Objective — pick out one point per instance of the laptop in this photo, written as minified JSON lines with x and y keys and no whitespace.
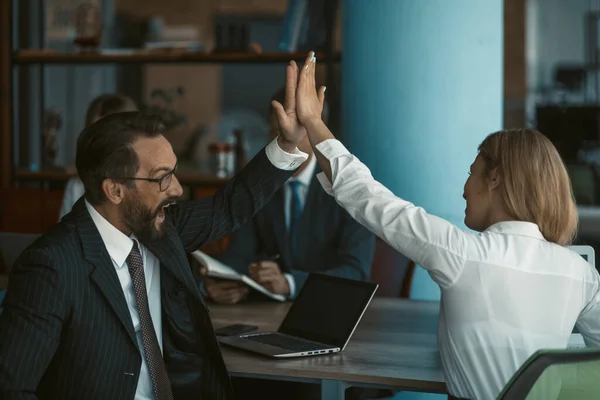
{"x":320,"y":321}
{"x":587,"y":252}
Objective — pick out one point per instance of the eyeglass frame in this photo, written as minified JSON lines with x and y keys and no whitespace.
{"x":160,"y":180}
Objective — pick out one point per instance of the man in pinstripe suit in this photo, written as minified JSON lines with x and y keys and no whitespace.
{"x":104,"y":305}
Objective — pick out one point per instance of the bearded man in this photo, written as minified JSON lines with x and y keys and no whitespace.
{"x":104,"y":305}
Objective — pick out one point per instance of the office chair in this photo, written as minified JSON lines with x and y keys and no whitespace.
{"x":12,"y":245}
{"x":392,"y":271}
{"x":556,"y":375}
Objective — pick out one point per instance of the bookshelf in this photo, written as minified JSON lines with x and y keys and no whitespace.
{"x":43,"y":57}
{"x":194,"y":179}
{"x":16,"y":57}
{"x":20,"y":183}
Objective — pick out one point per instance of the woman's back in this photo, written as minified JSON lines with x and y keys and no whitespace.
{"x":506,"y":292}
{"x":516,"y":293}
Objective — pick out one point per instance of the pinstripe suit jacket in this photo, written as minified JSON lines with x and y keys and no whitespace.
{"x":66,"y":331}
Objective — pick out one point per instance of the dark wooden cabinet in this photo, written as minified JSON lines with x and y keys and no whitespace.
{"x":29,"y":210}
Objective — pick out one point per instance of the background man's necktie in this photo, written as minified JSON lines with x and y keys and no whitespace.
{"x":154,"y":358}
{"x":295,"y":210}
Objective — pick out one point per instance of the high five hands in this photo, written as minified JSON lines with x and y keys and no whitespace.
{"x":303,"y":104}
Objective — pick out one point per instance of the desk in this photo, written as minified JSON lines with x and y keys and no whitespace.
{"x":394,"y":347}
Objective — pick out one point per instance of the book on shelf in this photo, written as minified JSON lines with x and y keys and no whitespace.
{"x":304,"y":25}
{"x":315,"y":26}
{"x":218,"y":270}
{"x":295,"y":16}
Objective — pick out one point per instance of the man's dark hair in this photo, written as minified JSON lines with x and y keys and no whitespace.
{"x":105,"y":149}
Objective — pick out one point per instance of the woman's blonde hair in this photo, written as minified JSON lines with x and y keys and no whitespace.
{"x":535,"y":184}
{"x":107,"y":104}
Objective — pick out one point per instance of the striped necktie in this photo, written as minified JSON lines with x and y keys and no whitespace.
{"x":152,"y":353}
{"x":295,"y":210}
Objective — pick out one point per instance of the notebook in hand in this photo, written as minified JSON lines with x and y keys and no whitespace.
{"x":217,"y":269}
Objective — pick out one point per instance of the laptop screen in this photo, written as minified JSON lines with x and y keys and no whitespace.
{"x":586,"y":252}
{"x":328,"y":309}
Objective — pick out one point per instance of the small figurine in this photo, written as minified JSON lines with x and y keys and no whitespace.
{"x":88,"y":26}
{"x":52,"y":124}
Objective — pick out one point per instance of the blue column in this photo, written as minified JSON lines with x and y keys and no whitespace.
{"x":421,"y":88}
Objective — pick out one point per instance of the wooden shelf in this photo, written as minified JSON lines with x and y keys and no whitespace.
{"x":191,"y":178}
{"x":51,"y":57}
{"x":44,"y":175}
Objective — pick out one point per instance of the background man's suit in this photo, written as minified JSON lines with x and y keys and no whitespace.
{"x":327,"y":240}
{"x":66,"y":332}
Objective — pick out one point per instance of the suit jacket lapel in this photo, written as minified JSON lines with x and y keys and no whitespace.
{"x":171,"y":255}
{"x":103,"y":272}
{"x":278,"y":218}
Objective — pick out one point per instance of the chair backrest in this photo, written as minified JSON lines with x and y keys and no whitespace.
{"x":392,"y":271}
{"x":556,"y":374}
{"x":12,"y":245}
{"x":587,"y":252}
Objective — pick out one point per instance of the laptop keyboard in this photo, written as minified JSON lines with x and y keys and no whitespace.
{"x":285,"y":342}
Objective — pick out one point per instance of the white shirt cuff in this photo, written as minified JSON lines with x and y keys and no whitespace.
{"x":282,"y":159}
{"x":331,"y":149}
{"x":292,"y":283}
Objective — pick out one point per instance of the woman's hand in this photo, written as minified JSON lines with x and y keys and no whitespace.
{"x":309,"y":102}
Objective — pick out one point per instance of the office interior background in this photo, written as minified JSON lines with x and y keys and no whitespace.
{"x":413,"y":88}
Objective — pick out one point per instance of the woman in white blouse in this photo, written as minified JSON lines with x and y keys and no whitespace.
{"x":101,"y":106}
{"x":508,"y":290}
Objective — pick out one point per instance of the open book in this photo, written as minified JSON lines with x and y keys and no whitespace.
{"x":217,"y":269}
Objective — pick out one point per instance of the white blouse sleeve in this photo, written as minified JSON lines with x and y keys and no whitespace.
{"x":434,"y":243}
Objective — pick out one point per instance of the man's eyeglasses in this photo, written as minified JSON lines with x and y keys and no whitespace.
{"x":163,"y":182}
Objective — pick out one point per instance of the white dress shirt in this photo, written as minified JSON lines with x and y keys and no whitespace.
{"x":119,"y":246}
{"x":505,"y":292}
{"x":304,"y":178}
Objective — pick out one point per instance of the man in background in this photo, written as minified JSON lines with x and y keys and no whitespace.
{"x":299,"y":231}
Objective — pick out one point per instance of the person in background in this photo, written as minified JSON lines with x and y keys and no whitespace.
{"x":101,"y":106}
{"x":300,"y":230}
{"x":509,"y":289}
